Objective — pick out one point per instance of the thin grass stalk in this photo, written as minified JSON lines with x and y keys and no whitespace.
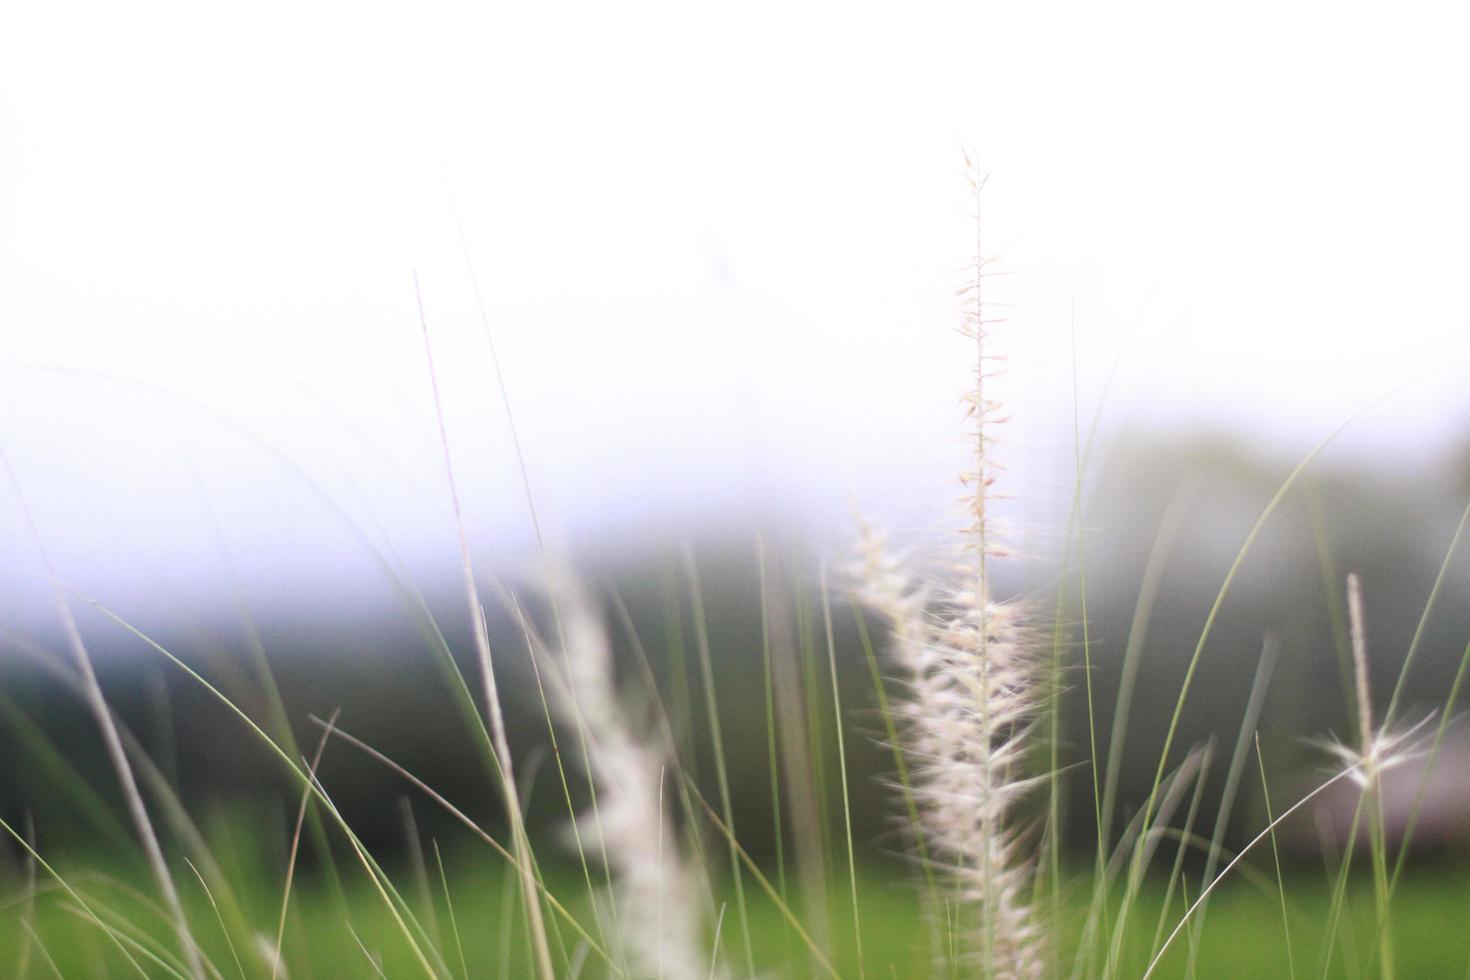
{"x":1390,"y":714}
{"x":1087,"y":671}
{"x":819,"y":957}
{"x":152,"y":780}
{"x":681,"y":720}
{"x":382,"y":883}
{"x":1191,"y":770}
{"x":464,"y":969}
{"x":1240,"y":856}
{"x":670,"y":750}
{"x":530,"y":498}
{"x":1132,"y":658}
{"x":402,"y":583}
{"x":1445,"y":717}
{"x":509,"y":906}
{"x":814,"y":711}
{"x":28,"y":909}
{"x":510,"y":419}
{"x":478,"y":831}
{"x":1185,"y":837}
{"x":1148,"y":591}
{"x":529,"y":633}
{"x":1251,"y":536}
{"x":420,"y":868}
{"x":278,"y":721}
{"x":301,"y":810}
{"x":116,"y":754}
{"x":857,"y":929}
{"x":701,"y":640}
{"x":540,"y":948}
{"x":1052,"y":839}
{"x":140,"y":942}
{"x":580,"y":728}
{"x":367,"y":955}
{"x":1050,"y":848}
{"x":1276,"y":861}
{"x":1134,"y":845}
{"x":402,"y":915}
{"x":1255,"y":702}
{"x":74,"y":896}
{"x":801,"y":756}
{"x":1373,"y":790}
{"x":1230,"y":576}
{"x":772,"y":759}
{"x":35,"y":940}
{"x":915,"y":825}
{"x":219,"y":918}
{"x":1330,"y":946}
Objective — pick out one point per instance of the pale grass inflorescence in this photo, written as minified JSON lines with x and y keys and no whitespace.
{"x":1380,"y":747}
{"x":974,"y":688}
{"x":970,"y":665}
{"x":655,"y":896}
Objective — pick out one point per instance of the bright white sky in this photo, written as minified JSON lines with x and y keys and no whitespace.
{"x":716,"y":245}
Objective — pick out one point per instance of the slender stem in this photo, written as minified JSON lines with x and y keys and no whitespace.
{"x":520,"y":842}
{"x":97,"y":704}
{"x":1179,"y":927}
{"x":857,"y":930}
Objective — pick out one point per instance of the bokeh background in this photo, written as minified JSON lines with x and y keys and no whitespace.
{"x":688,"y":277}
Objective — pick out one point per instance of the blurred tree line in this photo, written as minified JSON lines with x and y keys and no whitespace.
{"x":1184,"y":504}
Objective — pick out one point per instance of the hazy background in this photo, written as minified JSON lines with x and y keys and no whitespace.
{"x":716,"y":251}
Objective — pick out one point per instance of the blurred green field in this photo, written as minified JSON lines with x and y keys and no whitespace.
{"x":750,"y":680}
{"x":471,"y":917}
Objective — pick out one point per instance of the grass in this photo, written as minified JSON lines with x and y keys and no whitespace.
{"x":977,"y":877}
{"x":1244,"y":936}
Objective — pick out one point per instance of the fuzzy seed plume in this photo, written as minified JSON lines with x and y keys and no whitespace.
{"x":971,"y":671}
{"x":1378,"y":747}
{"x":659,"y":923}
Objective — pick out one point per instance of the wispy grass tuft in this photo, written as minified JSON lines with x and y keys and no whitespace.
{"x":661,"y":935}
{"x":971,"y":668}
